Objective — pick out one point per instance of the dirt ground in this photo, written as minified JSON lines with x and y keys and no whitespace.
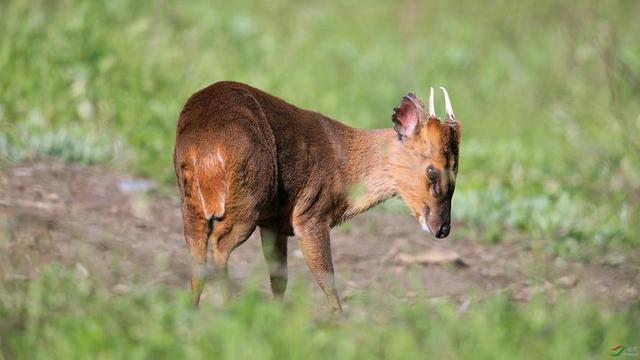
{"x":122,"y":230}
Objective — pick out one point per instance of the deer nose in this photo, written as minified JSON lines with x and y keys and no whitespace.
{"x":443,"y":231}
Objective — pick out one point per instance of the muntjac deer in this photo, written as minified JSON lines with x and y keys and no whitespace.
{"x":244,"y":158}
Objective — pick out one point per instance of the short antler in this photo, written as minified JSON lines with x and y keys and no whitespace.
{"x":432,"y":111}
{"x":447,"y":105}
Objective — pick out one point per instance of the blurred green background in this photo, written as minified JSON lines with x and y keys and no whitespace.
{"x":548,"y":92}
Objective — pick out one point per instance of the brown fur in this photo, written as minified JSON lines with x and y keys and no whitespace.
{"x":244,"y":158}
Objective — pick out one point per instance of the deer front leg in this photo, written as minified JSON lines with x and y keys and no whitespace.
{"x":316,"y":249}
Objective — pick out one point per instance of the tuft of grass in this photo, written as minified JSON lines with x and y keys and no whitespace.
{"x":62,"y":315}
{"x":31,"y":139}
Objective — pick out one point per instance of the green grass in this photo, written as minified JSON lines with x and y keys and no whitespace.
{"x":548,"y":92}
{"x":62,"y":316}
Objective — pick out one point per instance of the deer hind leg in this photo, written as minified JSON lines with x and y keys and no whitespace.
{"x":274,"y":248}
{"x":230,"y":236}
{"x":196,"y":231}
{"x":203,"y":190}
{"x":316,"y":249}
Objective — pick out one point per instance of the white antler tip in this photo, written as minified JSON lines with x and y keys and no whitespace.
{"x":447,"y":104}
{"x":432,"y":111}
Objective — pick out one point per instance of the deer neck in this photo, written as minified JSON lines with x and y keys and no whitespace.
{"x":370,"y":180}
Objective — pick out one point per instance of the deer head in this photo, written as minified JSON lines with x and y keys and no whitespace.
{"x":425,"y":165}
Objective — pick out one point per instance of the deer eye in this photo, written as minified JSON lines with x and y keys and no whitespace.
{"x":432,"y":173}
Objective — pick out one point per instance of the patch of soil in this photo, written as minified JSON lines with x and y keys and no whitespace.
{"x":118,"y":229}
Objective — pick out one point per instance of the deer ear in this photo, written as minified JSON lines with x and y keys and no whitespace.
{"x":407,"y":116}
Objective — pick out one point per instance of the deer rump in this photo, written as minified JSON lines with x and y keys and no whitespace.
{"x":229,"y":159}
{"x":225,"y":155}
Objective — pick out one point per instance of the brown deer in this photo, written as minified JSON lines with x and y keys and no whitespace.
{"x":244,"y":158}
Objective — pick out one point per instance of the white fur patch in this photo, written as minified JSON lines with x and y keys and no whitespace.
{"x":220,"y":159}
{"x":222,"y":201}
{"x":207,"y":214}
{"x":425,"y":225}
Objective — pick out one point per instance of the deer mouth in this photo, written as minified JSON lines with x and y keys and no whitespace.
{"x":424,"y":220}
